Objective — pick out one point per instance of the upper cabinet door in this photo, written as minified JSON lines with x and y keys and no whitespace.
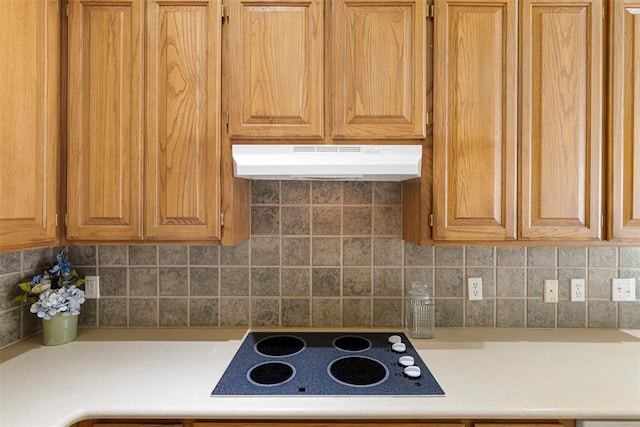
{"x":561,"y":95}
{"x":29,"y":124}
{"x":378,"y":56}
{"x":475,"y":132}
{"x":105,"y":119}
{"x":276,"y":68}
{"x":182,"y":168}
{"x":625,"y":120}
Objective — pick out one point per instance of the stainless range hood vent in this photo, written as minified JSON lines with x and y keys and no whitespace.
{"x":327,"y":162}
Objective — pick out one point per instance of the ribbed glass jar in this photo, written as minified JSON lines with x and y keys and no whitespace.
{"x":420,"y":312}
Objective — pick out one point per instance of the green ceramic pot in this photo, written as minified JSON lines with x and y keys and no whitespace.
{"x":59,"y":329}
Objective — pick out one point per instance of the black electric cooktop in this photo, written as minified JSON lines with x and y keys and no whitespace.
{"x":326,"y":363}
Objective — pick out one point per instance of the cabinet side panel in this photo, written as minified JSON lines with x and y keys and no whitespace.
{"x":562,"y":120}
{"x":625,"y":120}
{"x":474,"y":130}
{"x":182,"y":147}
{"x":104,"y":120}
{"x":29,"y":128}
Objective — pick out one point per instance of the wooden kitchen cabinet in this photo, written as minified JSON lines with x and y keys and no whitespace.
{"x":105,"y":120}
{"x":475,"y":125}
{"x":561,"y":423}
{"x":276,"y":77}
{"x":378,"y":55}
{"x":485,"y":117}
{"x":327,"y":423}
{"x":624,"y":121}
{"x":182,"y":159}
{"x":29,"y":124}
{"x":561,"y":119}
{"x":294,"y":63}
{"x":117,"y":153}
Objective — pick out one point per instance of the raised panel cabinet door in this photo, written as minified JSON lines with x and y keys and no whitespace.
{"x":474,"y":128}
{"x":105,"y":133}
{"x":29,"y":123}
{"x":378,"y":54}
{"x":276,"y":77}
{"x":561,"y":137}
{"x":625,"y":120}
{"x":182,"y":166}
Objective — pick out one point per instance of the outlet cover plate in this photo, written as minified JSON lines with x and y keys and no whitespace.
{"x":92,"y":287}
{"x":475,"y":288}
{"x":623,"y":289}
{"x":550,"y":291}
{"x":578,"y":290}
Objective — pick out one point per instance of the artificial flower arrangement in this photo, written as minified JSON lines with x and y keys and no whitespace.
{"x":55,"y":291}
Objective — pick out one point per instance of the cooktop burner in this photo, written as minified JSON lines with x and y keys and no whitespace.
{"x":326,"y":363}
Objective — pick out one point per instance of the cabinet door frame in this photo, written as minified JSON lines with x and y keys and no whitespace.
{"x":254,"y":75}
{"x":457,"y":215}
{"x":105,"y":205}
{"x":351,"y":118}
{"x":543,"y":214}
{"x":182,"y":140}
{"x":29,"y":216}
{"x":624,"y":123}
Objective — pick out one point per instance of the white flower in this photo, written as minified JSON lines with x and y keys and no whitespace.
{"x":41,"y":287}
{"x":65,"y":301}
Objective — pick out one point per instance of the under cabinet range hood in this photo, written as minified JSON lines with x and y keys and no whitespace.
{"x":327,"y":162}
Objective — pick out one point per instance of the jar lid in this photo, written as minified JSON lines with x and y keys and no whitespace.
{"x":419,"y":289}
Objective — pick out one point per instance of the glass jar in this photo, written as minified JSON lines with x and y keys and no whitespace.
{"x":420,"y":312}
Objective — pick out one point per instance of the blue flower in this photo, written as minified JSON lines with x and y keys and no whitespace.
{"x":54,"y":291}
{"x":65,"y":301}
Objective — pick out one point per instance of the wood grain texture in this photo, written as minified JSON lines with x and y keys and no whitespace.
{"x":236,"y":192}
{"x":105,"y":119}
{"x":561,"y":88}
{"x":328,"y":424}
{"x":624,"y":119}
{"x":182,"y":166}
{"x":417,"y":195}
{"x":534,"y":424}
{"x":475,"y":120}
{"x":29,"y":124}
{"x":276,"y":67}
{"x":378,"y":55}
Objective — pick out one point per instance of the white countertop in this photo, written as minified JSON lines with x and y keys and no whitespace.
{"x":170,"y":373}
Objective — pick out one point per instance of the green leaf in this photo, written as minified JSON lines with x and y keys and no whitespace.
{"x":25,"y":286}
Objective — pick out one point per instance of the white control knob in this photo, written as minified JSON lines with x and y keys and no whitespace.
{"x":412,"y":371}
{"x":394,"y":339}
{"x":399,"y":347}
{"x":406,"y":361}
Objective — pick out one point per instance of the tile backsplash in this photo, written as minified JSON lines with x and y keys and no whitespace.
{"x":327,"y":254}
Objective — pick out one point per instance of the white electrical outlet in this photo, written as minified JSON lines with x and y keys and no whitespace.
{"x":550,"y":291}
{"x":92,"y":287}
{"x":623,"y":289}
{"x":578,"y":290}
{"x":475,"y":288}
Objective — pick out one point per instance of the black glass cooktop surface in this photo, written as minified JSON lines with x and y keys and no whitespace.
{"x":327,"y":363}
